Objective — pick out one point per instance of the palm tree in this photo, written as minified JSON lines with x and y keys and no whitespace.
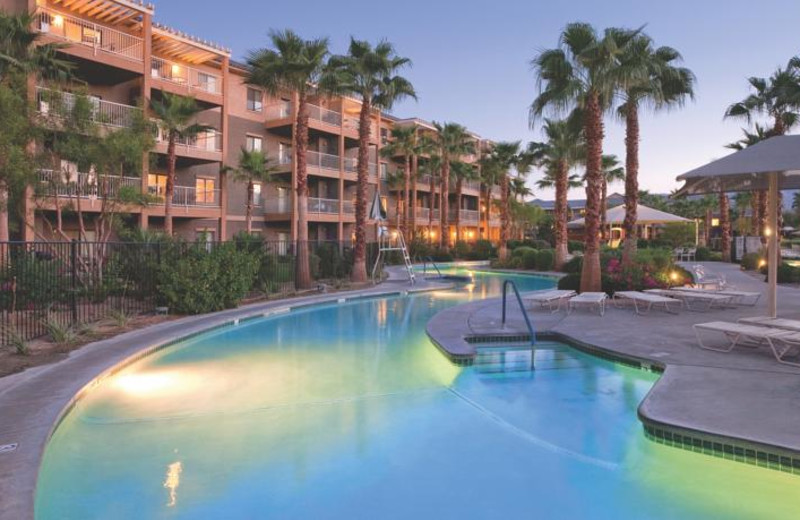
{"x":461,"y":172}
{"x":612,"y":172}
{"x":649,"y":77}
{"x":725,"y":224}
{"x":759,"y":197}
{"x":177,"y":117}
{"x":404,"y":143}
{"x":563,"y":149}
{"x":453,"y":141}
{"x":370,"y":73}
{"x":254,"y":166}
{"x":506,"y":155}
{"x":293,"y":65}
{"x":582,"y":72}
{"x":490,"y":175}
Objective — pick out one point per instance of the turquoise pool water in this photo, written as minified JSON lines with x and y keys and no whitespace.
{"x":348,"y":411}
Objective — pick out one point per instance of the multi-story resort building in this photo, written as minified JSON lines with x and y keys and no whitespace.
{"x":123,"y":57}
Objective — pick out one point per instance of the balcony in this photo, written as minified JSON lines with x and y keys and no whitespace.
{"x":99,"y":38}
{"x":324,"y":161}
{"x":278,"y":111}
{"x":468,"y":216}
{"x":207,"y":141}
{"x":189,"y":79}
{"x":60,"y":105}
{"x":471,"y":185}
{"x":323,"y":206}
{"x":189,"y":196}
{"x":273,"y":206}
{"x":422,"y":214}
{"x":324,"y":115}
{"x":86,"y":185}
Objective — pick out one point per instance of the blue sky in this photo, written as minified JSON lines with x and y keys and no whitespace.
{"x":471,"y":58}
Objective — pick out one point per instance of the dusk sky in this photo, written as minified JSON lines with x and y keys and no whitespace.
{"x":471,"y":59}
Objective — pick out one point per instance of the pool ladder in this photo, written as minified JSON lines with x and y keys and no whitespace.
{"x":531,"y":330}
{"x":425,"y":266}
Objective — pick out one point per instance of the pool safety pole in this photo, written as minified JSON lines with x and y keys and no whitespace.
{"x":772,"y":246}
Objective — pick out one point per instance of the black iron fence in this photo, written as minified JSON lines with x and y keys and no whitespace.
{"x":67,"y":284}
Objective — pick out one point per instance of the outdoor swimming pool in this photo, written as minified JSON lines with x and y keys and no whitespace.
{"x":348,"y":411}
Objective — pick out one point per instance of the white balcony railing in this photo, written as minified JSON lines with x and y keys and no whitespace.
{"x":86,"y":185}
{"x":322,"y":160}
{"x":349,"y":207}
{"x":207,"y":141}
{"x":323,"y":206}
{"x":423,"y":214}
{"x":351,"y":123}
{"x":278,"y":110}
{"x":467,"y":215}
{"x":324,"y":115}
{"x":189,"y":196}
{"x":472,"y":185}
{"x":185,"y":76}
{"x":61,"y":104}
{"x":100,"y":38}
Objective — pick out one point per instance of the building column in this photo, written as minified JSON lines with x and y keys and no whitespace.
{"x":293,"y":190}
{"x":223,"y":177}
{"x":147,"y":27}
{"x":340,"y":224}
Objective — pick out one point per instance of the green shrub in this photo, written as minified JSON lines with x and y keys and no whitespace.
{"x":545,"y":259}
{"x":481,"y":250}
{"x":35,"y":282}
{"x":570,"y":282}
{"x":750,"y":261}
{"x":520,"y":251}
{"x":786,"y":273}
{"x":658,"y":259}
{"x":715,"y":256}
{"x":460,"y":249}
{"x":528,"y":258}
{"x":574,"y":245}
{"x":702,"y":254}
{"x":439,"y":255}
{"x":573,"y":265}
{"x":195,"y":280}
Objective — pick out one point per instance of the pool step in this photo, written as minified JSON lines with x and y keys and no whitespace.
{"x":521,"y":357}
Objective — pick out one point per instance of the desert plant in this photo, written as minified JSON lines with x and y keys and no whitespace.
{"x":545,"y":259}
{"x":14,"y":339}
{"x":63,"y":335}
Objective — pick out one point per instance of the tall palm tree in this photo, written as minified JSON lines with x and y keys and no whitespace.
{"x":254,"y":166}
{"x":612,"y":172}
{"x":490,"y":174}
{"x":177,"y":119}
{"x":453,"y":141}
{"x":425,"y":147}
{"x":582,"y":72}
{"x":293,"y":65}
{"x":432,"y":167}
{"x":563,"y":149}
{"x":403,"y":143}
{"x":371,"y":74}
{"x":725,"y":224}
{"x":649,"y":77}
{"x":461,"y":172}
{"x":759,"y":197}
{"x":506,"y":155}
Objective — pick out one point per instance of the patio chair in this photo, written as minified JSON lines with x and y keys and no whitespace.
{"x":737,"y":297}
{"x":689,"y":254}
{"x":775,"y":323}
{"x":781,"y":342}
{"x":705,"y":280}
{"x":548,"y":298}
{"x":677,"y":254}
{"x":590,"y":300}
{"x":646,"y":300}
{"x":695,"y":301}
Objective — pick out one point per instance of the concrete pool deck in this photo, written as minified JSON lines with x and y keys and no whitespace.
{"x":744,"y":397}
{"x":32,"y":402}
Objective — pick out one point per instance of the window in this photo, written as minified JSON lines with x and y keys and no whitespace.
{"x":256,"y":194}
{"x":284,"y":153}
{"x":384,"y":171}
{"x":253,"y":143}
{"x":255,"y":100}
{"x":157,"y":184}
{"x":204,"y":189}
{"x":207,"y":82}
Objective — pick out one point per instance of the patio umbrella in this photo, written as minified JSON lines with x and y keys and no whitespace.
{"x":773,"y":165}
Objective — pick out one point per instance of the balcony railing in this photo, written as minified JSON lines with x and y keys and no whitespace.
{"x":467,"y":215}
{"x":322,"y":160}
{"x":349,"y":207}
{"x":86,"y":185}
{"x":278,"y":111}
{"x":351,"y":123}
{"x":472,"y":185}
{"x":323,"y":206}
{"x":324,"y":115}
{"x":422,"y":214}
{"x":99,"y":37}
{"x":190,"y":196}
{"x":189,"y":77}
{"x":207,"y":141}
{"x":60,"y":104}
{"x":281,"y":205}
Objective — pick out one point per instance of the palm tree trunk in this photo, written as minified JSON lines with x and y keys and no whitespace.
{"x":303,"y":266}
{"x":593,"y":130}
{"x":604,"y":209}
{"x":707,"y":227}
{"x":755,"y":202}
{"x":562,"y":180}
{"x":169,"y":189}
{"x":631,"y":183}
{"x":762,"y":216}
{"x":248,"y":218}
{"x":406,"y":194}
{"x":459,"y":188}
{"x":444,"y":207}
{"x":359,"y":252}
{"x":725,"y":223}
{"x":432,"y":197}
{"x":415,"y":168}
{"x":504,"y":187}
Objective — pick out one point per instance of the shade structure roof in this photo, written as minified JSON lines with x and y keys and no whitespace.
{"x":748,"y":169}
{"x":644,"y":215}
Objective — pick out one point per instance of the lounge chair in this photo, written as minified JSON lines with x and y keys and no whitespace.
{"x":780,"y":341}
{"x":689,"y":254}
{"x":695,"y":301}
{"x":774,"y":323}
{"x":549,"y":298}
{"x":589,"y":299}
{"x":646,"y":300}
{"x":705,"y":280}
{"x":737,"y":297}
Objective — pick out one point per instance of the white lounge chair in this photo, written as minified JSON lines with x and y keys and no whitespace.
{"x":551,"y":298}
{"x":705,"y":280}
{"x":695,"y":301}
{"x":646,"y":300}
{"x":737,"y":297}
{"x":780,"y":341}
{"x":590,"y":300}
{"x":775,"y":323}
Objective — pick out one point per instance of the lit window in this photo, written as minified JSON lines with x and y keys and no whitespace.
{"x":205,"y":191}
{"x":157,"y":184}
{"x":384,"y":171}
{"x":254,"y":143}
{"x":256,"y":194}
{"x":255,"y":100}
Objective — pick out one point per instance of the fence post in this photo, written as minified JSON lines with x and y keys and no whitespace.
{"x":73,"y":254}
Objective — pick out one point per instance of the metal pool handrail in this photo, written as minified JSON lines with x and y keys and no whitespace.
{"x":531,"y":330}
{"x":425,"y":266}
